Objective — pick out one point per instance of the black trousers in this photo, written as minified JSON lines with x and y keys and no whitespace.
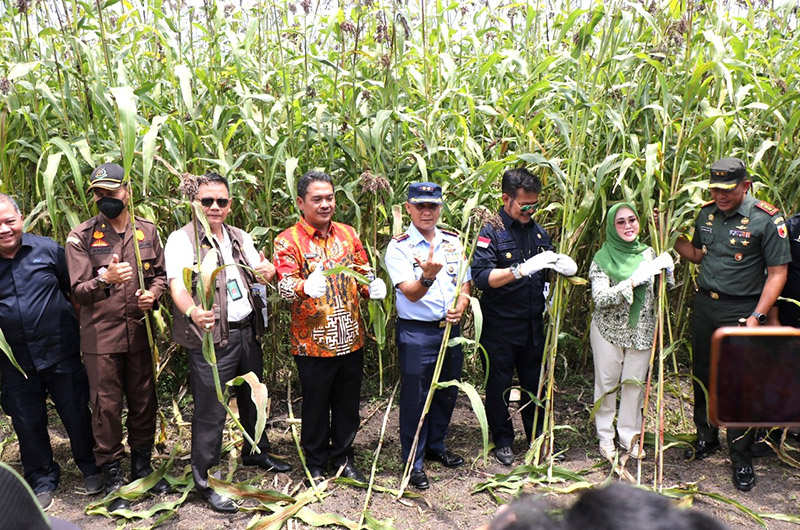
{"x":418,"y":348}
{"x":707,"y":316}
{"x":25,"y":401}
{"x":504,"y":357}
{"x":241,"y":355}
{"x":331,"y":389}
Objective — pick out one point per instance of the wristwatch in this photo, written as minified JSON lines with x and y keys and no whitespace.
{"x":761,"y":317}
{"x":427,"y":282}
{"x":515,"y":271}
{"x":101,"y":282}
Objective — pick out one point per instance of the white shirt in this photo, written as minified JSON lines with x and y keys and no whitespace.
{"x":179,"y":255}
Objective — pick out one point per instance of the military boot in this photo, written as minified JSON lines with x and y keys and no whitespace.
{"x":140,"y":468}
{"x":115,"y":480}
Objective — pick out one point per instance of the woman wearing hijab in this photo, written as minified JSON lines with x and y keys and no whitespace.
{"x":622,"y":329}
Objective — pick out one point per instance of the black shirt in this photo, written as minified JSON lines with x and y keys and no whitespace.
{"x":512,"y":308}
{"x":788,"y":312}
{"x":36,"y":316}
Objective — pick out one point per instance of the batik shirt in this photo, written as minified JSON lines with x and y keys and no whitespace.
{"x":331,"y":325}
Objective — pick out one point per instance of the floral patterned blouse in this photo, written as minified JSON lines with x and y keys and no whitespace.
{"x":612,"y":303}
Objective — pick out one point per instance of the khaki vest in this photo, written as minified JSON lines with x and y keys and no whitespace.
{"x":184,"y":331}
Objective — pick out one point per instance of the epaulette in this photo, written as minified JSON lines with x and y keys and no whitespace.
{"x":401,"y":237}
{"x":449,"y":232}
{"x":709,"y":203}
{"x":767,"y":207}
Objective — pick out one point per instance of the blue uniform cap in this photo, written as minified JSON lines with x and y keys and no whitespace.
{"x":419,"y":192}
{"x":727,"y":173}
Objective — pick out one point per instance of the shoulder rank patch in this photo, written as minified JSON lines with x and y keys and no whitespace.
{"x":74,"y":240}
{"x":449,"y":232}
{"x":401,"y":237}
{"x":709,"y":203}
{"x":767,"y":207}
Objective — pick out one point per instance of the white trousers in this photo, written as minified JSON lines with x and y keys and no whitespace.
{"x":613,"y":365}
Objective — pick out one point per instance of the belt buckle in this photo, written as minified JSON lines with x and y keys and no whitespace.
{"x":713,"y":295}
{"x":442,"y":323}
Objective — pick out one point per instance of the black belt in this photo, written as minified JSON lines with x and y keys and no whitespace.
{"x":428,"y":323}
{"x":246,"y":322}
{"x":714,"y":295}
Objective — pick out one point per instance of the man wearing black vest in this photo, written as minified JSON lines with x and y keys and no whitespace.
{"x":235,"y":324}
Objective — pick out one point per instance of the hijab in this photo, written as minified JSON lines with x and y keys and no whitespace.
{"x":619,"y":258}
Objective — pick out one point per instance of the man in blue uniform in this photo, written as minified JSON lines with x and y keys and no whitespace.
{"x":509,"y":267}
{"x":741,"y":244}
{"x":41,"y":328}
{"x":425,"y":264}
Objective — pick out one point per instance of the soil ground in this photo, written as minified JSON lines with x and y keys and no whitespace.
{"x":451,"y":501}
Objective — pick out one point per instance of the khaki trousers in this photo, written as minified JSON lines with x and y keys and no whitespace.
{"x":612,"y":366}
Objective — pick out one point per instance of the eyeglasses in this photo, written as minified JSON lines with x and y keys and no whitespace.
{"x":208,"y":202}
{"x":623,"y":222}
{"x":527,"y":207}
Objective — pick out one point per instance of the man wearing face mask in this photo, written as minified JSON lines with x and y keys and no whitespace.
{"x":101,"y":258}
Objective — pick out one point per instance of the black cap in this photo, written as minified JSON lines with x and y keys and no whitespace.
{"x":106,"y":176}
{"x":419,"y":192}
{"x":727,"y":173}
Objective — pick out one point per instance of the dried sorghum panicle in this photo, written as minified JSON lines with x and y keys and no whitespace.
{"x":782,"y":85}
{"x":404,"y":22}
{"x":371,"y":183}
{"x":482,"y":216}
{"x":348,"y":27}
{"x":23,"y":5}
{"x":292,"y":9}
{"x":306,"y":5}
{"x":385,"y":60}
{"x":5,"y":85}
{"x":189,"y":184}
{"x":366,"y":95}
{"x":381,"y":32}
{"x":310,"y":92}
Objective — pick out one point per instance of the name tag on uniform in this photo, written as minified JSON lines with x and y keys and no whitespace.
{"x":233,"y":289}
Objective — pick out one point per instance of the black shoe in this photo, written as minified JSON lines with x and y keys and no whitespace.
{"x":140,"y":468}
{"x":504,"y":455}
{"x":701,"y":450}
{"x":114,"y":479}
{"x":93,"y":484}
{"x":350,"y":471}
{"x":559,"y":454}
{"x":317,"y":473}
{"x":219,"y":503}
{"x":744,"y":478}
{"x":446,"y":458}
{"x":267,"y":463}
{"x":419,"y":479}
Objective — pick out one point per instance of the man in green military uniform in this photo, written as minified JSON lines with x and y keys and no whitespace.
{"x":742,"y":246}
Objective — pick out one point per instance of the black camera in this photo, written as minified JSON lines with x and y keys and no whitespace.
{"x":755,"y":377}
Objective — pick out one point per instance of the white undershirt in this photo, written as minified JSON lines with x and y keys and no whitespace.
{"x":179,"y":254}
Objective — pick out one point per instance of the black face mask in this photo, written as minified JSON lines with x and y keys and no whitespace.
{"x":110,"y":207}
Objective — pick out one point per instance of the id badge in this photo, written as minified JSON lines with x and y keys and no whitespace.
{"x":233,"y":289}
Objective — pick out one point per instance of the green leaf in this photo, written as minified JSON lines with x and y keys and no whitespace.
{"x":9,"y":354}
{"x":126,"y":107}
{"x":259,"y":394}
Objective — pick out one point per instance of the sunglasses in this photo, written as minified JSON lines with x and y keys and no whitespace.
{"x":208,"y":202}
{"x":527,"y":207}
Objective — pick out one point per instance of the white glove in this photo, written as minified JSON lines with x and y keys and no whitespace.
{"x":315,"y":285}
{"x":565,"y":265}
{"x":664,"y":261}
{"x":643,"y":274}
{"x":545,"y":260}
{"x":377,"y":289}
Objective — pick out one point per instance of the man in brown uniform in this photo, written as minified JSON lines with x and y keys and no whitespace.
{"x":102,"y":268}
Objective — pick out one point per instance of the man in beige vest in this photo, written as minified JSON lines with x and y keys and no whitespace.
{"x":235,"y":322}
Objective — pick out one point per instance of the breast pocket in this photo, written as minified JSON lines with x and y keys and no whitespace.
{"x":507,"y":254}
{"x":148,"y":256}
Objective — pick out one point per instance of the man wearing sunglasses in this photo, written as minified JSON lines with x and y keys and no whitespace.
{"x":509,"y":267}
{"x":236,"y":322}
{"x":101,"y":257}
{"x":425,"y":265}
